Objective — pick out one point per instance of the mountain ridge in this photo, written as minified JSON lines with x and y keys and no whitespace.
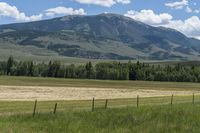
{"x":103,"y":36}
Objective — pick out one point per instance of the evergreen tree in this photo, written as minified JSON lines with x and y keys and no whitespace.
{"x":10,"y":64}
{"x":89,"y":70}
{"x":30,"y":68}
{"x":50,"y":70}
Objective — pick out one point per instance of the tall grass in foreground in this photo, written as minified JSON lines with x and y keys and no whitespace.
{"x":182,"y":118}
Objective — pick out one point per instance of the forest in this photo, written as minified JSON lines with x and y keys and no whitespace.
{"x":102,"y":71}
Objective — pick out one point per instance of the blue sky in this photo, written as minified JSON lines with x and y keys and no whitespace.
{"x":182,"y":15}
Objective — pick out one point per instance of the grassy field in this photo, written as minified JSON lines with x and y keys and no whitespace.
{"x":21,"y":107}
{"x":155,"y":114}
{"x":10,"y":107}
{"x":181,"y":118}
{"x":56,"y":82}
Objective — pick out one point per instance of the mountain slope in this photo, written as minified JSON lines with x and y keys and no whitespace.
{"x":104,"y":36}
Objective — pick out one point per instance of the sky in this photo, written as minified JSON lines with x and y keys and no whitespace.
{"x":182,"y":15}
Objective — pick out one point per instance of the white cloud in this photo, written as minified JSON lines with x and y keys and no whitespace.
{"x":177,"y":4}
{"x":196,"y":11}
{"x":188,"y":9}
{"x":183,"y":4}
{"x":105,"y":3}
{"x":64,"y":11}
{"x":149,"y":17}
{"x":7,"y":10}
{"x":124,"y":1}
{"x":190,"y":27}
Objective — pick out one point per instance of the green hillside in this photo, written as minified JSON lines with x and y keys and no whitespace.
{"x":104,"y":36}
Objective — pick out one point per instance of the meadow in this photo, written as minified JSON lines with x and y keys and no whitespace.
{"x":179,"y":113}
{"x":181,"y":118}
{"x":61,"y":82}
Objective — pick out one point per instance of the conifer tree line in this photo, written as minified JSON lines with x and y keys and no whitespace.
{"x":104,"y":71}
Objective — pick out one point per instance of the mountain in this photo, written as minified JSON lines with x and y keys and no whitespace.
{"x":104,"y":36}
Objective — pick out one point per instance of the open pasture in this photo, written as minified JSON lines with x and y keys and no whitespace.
{"x":17,"y":94}
{"x":49,"y":89}
{"x":155,"y":110}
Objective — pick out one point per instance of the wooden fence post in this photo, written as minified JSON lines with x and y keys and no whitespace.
{"x":106,"y":104}
{"x":34,"y":109}
{"x":137,"y":101}
{"x":193,"y":99}
{"x":172,"y":98}
{"x":55,"y":108}
{"x":93,"y":105}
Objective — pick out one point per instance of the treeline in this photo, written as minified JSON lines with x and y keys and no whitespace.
{"x":104,"y":71}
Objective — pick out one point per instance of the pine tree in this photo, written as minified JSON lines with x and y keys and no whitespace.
{"x":10,"y":64}
{"x":89,"y":70}
{"x":30,"y":68}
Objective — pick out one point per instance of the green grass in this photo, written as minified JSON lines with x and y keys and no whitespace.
{"x":7,"y":107}
{"x":20,"y":107}
{"x":181,"y":118}
{"x":36,"y":81}
{"x":154,"y":115}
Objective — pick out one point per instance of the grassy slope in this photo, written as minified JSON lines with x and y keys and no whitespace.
{"x":182,"y":118}
{"x":22,"y":53}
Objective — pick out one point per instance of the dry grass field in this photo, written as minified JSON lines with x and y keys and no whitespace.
{"x":49,"y":93}
{"x":49,"y":89}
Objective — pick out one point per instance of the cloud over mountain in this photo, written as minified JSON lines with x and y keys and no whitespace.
{"x":105,"y":3}
{"x":189,"y":26}
{"x":7,"y":10}
{"x":149,"y":17}
{"x":64,"y":11}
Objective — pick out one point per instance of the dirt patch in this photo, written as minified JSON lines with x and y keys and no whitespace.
{"x":28,"y":93}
